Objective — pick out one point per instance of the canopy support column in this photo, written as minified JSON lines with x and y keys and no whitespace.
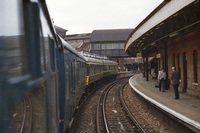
{"x":166,"y":65}
{"x":147,"y":66}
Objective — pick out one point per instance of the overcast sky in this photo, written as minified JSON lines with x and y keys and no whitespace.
{"x":84,"y":16}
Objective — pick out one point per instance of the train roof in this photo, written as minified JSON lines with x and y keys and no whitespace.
{"x":70,"y":48}
{"x":109,"y":62}
{"x":93,"y":60}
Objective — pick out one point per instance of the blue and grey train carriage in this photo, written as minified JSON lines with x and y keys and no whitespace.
{"x":37,"y":64}
{"x":99,"y":70}
{"x":94,"y":70}
{"x":110,"y":69}
{"x":72,"y":77}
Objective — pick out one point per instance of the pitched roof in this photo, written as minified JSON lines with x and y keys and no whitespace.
{"x":110,"y":35}
{"x":78,"y":36}
{"x":60,"y":29}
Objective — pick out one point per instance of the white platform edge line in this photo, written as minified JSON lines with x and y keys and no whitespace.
{"x":172,"y":112}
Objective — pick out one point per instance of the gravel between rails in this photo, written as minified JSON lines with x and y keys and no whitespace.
{"x":85,"y":120}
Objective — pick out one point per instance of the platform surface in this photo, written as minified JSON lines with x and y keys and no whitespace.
{"x":187,"y":108}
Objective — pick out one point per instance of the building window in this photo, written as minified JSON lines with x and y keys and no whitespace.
{"x":97,"y":46}
{"x":109,"y":46}
{"x":112,"y":46}
{"x":103,"y":46}
{"x":121,"y":46}
{"x":195,"y":63}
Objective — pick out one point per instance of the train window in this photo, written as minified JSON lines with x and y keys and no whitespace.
{"x":78,"y":70}
{"x":104,"y":67}
{"x":91,"y":69}
{"x":95,"y":68}
{"x":88,"y":69}
{"x":46,"y":41}
{"x":107,"y":67}
{"x":82,"y":71}
{"x":99,"y":68}
{"x":75,"y":74}
{"x":11,"y":39}
{"x":42,"y":50}
{"x":52,"y":53}
{"x":71,"y":76}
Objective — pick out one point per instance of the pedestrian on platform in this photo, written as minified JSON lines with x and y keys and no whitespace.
{"x":162,"y":78}
{"x":175,"y":81}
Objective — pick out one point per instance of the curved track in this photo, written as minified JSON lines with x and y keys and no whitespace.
{"x":22,"y":116}
{"x":128,"y":111}
{"x":114,"y":118}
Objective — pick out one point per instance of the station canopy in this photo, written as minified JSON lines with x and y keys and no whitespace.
{"x":171,"y":19}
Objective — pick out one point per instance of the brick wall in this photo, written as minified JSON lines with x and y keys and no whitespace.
{"x":187,"y":44}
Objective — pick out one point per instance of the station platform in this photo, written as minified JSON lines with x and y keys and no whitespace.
{"x":187,"y":108}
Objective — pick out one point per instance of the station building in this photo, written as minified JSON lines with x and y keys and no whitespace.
{"x":110,"y":42}
{"x":171,"y":35}
{"x":107,"y":42}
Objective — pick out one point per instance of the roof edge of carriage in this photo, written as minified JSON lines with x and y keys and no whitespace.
{"x":70,"y":48}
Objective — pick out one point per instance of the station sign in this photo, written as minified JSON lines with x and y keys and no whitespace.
{"x":158,"y":55}
{"x":139,"y":55}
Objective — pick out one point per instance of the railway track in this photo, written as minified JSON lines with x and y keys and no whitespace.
{"x":111,"y":116}
{"x":128,"y":110}
{"x":22,"y":116}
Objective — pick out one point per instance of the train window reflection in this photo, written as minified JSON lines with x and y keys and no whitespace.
{"x":38,"y":100}
{"x":11,"y":38}
{"x":10,"y":11}
{"x":29,"y":112}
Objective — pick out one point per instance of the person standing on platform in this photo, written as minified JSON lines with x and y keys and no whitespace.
{"x":161,"y":78}
{"x":175,"y":81}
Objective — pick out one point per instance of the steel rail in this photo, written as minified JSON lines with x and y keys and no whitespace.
{"x":98,"y":106}
{"x":104,"y":93}
{"x":104,"y":100}
{"x":24,"y":118}
{"x":128,"y":111}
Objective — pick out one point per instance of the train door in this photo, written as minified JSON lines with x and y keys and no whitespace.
{"x":55,"y":83}
{"x":52,"y":77}
{"x":185,"y":83}
{"x":62,"y":84}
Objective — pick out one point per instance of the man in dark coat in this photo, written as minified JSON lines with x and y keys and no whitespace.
{"x":175,"y":81}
